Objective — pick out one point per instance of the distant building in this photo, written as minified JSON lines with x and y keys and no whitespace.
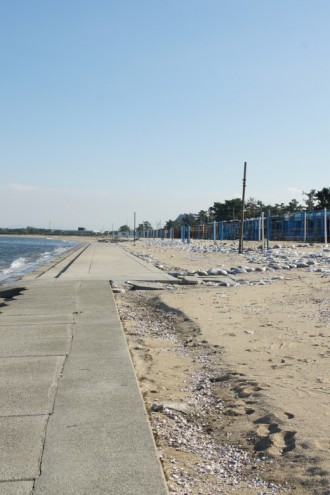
{"x":81,"y":229}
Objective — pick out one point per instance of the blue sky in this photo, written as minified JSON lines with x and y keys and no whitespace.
{"x":110,"y":107}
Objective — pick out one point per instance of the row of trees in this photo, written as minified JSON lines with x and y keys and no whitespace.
{"x":231,"y":209}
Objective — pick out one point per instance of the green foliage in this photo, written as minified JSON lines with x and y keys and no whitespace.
{"x":294,"y":205}
{"x":278,"y":209}
{"x":323,"y":198}
{"x":203,"y":217}
{"x":189,"y":219}
{"x":32,"y":230}
{"x":231,"y":209}
{"x":253,"y":208}
{"x":144,"y":226}
{"x":310,"y":199}
{"x":172,"y":224}
{"x":124,"y":229}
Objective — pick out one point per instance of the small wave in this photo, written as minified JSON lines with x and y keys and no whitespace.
{"x":45,"y":256}
{"x":60,"y":250}
{"x":16,"y":265}
{"x":31,"y":258}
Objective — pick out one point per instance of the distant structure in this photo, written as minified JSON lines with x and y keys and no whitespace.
{"x":182,"y":216}
{"x":84,"y":231}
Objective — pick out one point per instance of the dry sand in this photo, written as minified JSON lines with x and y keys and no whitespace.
{"x":258,"y":356}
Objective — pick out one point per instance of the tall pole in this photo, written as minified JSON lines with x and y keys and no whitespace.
{"x":134,"y":225}
{"x":241,"y":237}
{"x":325,"y":228}
{"x":268,"y":227}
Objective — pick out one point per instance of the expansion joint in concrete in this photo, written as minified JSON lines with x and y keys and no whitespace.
{"x":36,"y":415}
{"x":28,"y":356}
{"x":17,"y":480}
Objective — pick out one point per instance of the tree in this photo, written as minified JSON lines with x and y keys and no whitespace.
{"x":188,"y":219}
{"x":203,"y":217}
{"x":124,"y":229}
{"x":171,"y":224}
{"x":310,"y":199}
{"x":323,"y":198}
{"x":278,"y":209}
{"x":231,"y":209}
{"x":253,"y":208}
{"x":144,"y":226}
{"x":294,"y":205}
{"x":32,"y":230}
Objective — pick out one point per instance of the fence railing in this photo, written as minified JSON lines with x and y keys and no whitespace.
{"x":302,"y":226}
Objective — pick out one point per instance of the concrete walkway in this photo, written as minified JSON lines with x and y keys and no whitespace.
{"x":72,"y":420}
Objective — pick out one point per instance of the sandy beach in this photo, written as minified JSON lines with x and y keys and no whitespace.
{"x":247,"y":364}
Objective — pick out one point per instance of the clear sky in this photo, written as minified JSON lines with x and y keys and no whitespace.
{"x":113,"y":106}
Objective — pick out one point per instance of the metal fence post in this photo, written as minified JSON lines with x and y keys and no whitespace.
{"x":325,"y":228}
{"x":268,"y":227}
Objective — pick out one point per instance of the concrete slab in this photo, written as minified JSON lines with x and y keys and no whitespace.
{"x":16,"y":488}
{"x":21,"y":446}
{"x":98,"y":439}
{"x":32,"y":385}
{"x":35,"y":340}
{"x":13,"y":319}
{"x":103,"y":261}
{"x":33,"y":297}
{"x":40,"y":308}
{"x":99,"y":427}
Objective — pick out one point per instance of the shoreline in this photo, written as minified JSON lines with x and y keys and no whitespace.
{"x":234,"y":373}
{"x":41,"y":268}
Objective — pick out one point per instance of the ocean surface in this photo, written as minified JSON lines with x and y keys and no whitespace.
{"x":21,"y":255}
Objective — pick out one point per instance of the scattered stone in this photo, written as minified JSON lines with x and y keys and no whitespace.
{"x":225,"y":284}
{"x":157,"y":407}
{"x":213,"y":271}
{"x":191,"y":280}
{"x":118,"y":290}
{"x":302,"y":265}
{"x":202,"y":273}
{"x":185,"y":426}
{"x":147,"y":285}
{"x":181,"y":407}
{"x":275,"y":259}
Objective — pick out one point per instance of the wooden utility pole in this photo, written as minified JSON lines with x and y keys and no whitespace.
{"x":241,"y":237}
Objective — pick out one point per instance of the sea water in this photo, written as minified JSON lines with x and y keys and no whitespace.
{"x":21,"y":255}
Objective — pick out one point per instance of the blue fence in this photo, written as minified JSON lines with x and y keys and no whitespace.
{"x":303,"y":226}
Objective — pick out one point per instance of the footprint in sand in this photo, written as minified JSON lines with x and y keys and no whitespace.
{"x":271,"y":438}
{"x":271,"y":426}
{"x":246,"y":391}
